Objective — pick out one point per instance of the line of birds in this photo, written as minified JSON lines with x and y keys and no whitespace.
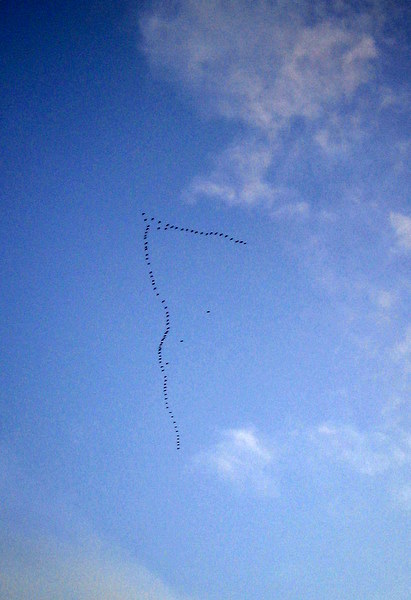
{"x":163,"y":364}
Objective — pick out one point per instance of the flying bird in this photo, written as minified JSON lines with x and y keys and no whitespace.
{"x":159,"y":351}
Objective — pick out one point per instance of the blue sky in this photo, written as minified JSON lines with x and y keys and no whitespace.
{"x":285,"y":124}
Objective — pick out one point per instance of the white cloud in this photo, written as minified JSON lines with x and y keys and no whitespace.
{"x":402,"y":497}
{"x":239,"y":176}
{"x":402,"y":227}
{"x":401,"y":352}
{"x":262,"y":64}
{"x":367,"y":452}
{"x":259,"y":62}
{"x":242,"y":459}
{"x":296,"y":209}
{"x":327,"y":64}
{"x":384,"y":299}
{"x":85,"y":570}
{"x":401,"y":151}
{"x":337,"y":136}
{"x":403,"y":348}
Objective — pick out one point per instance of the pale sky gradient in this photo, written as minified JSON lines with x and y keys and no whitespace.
{"x":282,"y":123}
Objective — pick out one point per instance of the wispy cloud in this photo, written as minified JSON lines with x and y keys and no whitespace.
{"x":292,"y":210}
{"x":403,"y":348}
{"x":338,"y":134}
{"x":402,"y":227}
{"x":384,"y":299}
{"x":368,"y":452}
{"x":264,"y":64}
{"x":239,"y":176}
{"x":401,"y":352}
{"x":402,"y":497}
{"x":242,"y":459}
{"x":260,"y":62}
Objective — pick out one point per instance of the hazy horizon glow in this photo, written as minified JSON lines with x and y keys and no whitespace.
{"x":287,"y":359}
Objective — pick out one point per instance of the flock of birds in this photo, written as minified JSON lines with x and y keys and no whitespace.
{"x":152,"y":221}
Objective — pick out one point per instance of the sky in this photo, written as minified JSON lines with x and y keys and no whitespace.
{"x":285,"y":362}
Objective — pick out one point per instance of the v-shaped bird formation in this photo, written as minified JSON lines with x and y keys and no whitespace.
{"x":151,"y":221}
